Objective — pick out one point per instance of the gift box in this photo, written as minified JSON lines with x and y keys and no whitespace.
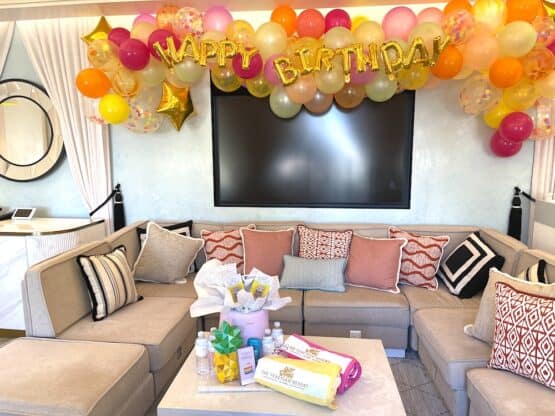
{"x":226,"y":366}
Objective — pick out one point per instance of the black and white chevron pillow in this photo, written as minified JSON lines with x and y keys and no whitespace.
{"x":465,"y":271}
{"x":536,"y":273}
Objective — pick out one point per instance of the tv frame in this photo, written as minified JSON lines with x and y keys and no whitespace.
{"x":214,"y":92}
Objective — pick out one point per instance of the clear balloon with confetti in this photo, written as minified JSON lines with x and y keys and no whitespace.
{"x":143,"y":117}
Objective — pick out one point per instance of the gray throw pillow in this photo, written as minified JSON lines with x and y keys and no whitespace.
{"x":484,"y":324}
{"x":300,"y":273}
{"x":166,"y":256}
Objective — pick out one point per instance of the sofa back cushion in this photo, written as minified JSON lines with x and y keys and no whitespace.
{"x":55,"y":294}
{"x":129,"y":238}
{"x":529,"y":258}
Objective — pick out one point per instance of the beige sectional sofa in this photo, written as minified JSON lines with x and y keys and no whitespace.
{"x":57,"y":306}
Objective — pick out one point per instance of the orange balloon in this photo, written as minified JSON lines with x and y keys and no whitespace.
{"x":285,"y":16}
{"x":93,"y":83}
{"x":505,"y":72}
{"x":454,"y":5}
{"x":525,"y":10}
{"x":449,"y":63}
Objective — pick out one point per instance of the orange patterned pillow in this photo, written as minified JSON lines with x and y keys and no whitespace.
{"x":524,"y":338}
{"x":323,"y":244}
{"x":225,"y":246}
{"x":421,"y":258}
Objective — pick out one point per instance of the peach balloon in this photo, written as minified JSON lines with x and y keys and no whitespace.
{"x":398,"y":23}
{"x":302,"y":90}
{"x":430,"y":14}
{"x":480,"y":51}
{"x":320,"y":103}
{"x":369,"y":32}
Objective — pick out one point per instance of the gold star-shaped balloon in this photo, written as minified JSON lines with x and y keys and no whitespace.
{"x":175,"y":103}
{"x":99,"y":32}
{"x":549,"y":7}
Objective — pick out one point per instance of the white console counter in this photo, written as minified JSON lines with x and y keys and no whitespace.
{"x":26,"y":242}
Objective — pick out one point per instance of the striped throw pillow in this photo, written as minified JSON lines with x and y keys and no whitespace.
{"x":536,"y":273}
{"x":421,"y":258}
{"x":225,"y":246}
{"x":110,"y":282}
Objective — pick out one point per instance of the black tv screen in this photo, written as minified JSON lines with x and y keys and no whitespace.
{"x":359,"y":158}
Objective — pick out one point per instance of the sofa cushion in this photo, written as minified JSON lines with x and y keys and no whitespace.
{"x":168,"y":290}
{"x":421,"y":298}
{"x":56,"y":377}
{"x":528,"y":258}
{"x":453,"y":352}
{"x":357,"y":305}
{"x":160,"y":324}
{"x":497,"y":392}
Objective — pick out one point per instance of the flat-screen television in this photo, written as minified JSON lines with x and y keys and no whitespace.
{"x":359,"y":158}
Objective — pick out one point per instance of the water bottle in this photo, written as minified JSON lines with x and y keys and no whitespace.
{"x":211,"y":351}
{"x":277,"y":334}
{"x":201,"y":352}
{"x":267,"y":343}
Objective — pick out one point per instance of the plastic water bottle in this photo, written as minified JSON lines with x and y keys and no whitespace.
{"x":267,"y":343}
{"x":201,"y":352}
{"x":277,"y":334}
{"x":211,"y":351}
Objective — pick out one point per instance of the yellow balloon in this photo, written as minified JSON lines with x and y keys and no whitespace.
{"x":242,"y":32}
{"x":546,"y":86}
{"x":270,"y":38}
{"x":330,"y":82}
{"x":357,"y":21}
{"x":495,"y":116}
{"x":414,"y":77}
{"x":490,"y":13}
{"x":258,"y":86}
{"x":113,"y":109}
{"x":369,"y":32}
{"x":521,"y":96}
{"x":225,"y":79}
{"x":428,"y":31}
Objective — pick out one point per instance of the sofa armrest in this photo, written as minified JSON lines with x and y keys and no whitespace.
{"x":129,"y":238}
{"x":505,"y":245}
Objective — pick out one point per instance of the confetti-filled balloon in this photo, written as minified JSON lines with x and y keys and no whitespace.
{"x":165,"y":16}
{"x":545,"y":27}
{"x":125,"y":82}
{"x":102,"y":54}
{"x":187,"y":20}
{"x":478,"y":94}
{"x":538,"y":64}
{"x":458,"y":25}
{"x":143,"y":117}
{"x":542,"y":116}
{"x":546,"y":86}
{"x":455,"y":5}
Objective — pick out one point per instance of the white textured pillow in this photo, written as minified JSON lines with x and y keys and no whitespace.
{"x":166,"y":256}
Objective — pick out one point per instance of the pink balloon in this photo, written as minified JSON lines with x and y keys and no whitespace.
{"x":430,"y":14}
{"x":398,"y":23}
{"x":551,"y":47}
{"x":516,"y":127}
{"x":502,"y":147}
{"x":255,"y":66}
{"x":133,"y":54}
{"x":270,"y":72}
{"x":216,"y":19}
{"x":118,"y":35}
{"x":161,"y":35}
{"x":146,"y":18}
{"x":360,"y":78}
{"x":337,"y":17}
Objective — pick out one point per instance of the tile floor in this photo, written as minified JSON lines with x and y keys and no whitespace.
{"x":418,"y":393}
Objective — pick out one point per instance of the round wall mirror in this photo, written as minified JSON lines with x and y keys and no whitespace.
{"x":30,"y":139}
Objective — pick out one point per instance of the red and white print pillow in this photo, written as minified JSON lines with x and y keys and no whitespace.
{"x":421,"y":258}
{"x":323,"y":244}
{"x":524,"y":337}
{"x":226,"y":246}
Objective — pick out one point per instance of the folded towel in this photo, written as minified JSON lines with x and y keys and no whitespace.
{"x":305,"y":380}
{"x":298,"y":347}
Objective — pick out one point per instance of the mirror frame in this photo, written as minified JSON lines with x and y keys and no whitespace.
{"x":28,"y":90}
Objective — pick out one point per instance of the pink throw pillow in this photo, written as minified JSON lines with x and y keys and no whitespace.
{"x":524,"y":337}
{"x":375,"y":263}
{"x":421,"y":258}
{"x":225,"y":246}
{"x":265,"y":249}
{"x":323,"y":244}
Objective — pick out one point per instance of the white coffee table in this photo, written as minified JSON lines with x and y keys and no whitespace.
{"x":374,"y":394}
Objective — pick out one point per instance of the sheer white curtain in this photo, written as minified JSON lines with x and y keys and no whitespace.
{"x":58,"y":54}
{"x":543,"y":174}
{"x":6,"y":34}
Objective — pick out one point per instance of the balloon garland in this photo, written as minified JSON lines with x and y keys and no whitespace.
{"x":502,"y":49}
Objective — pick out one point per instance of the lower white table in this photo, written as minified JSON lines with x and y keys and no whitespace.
{"x":374,"y":394}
